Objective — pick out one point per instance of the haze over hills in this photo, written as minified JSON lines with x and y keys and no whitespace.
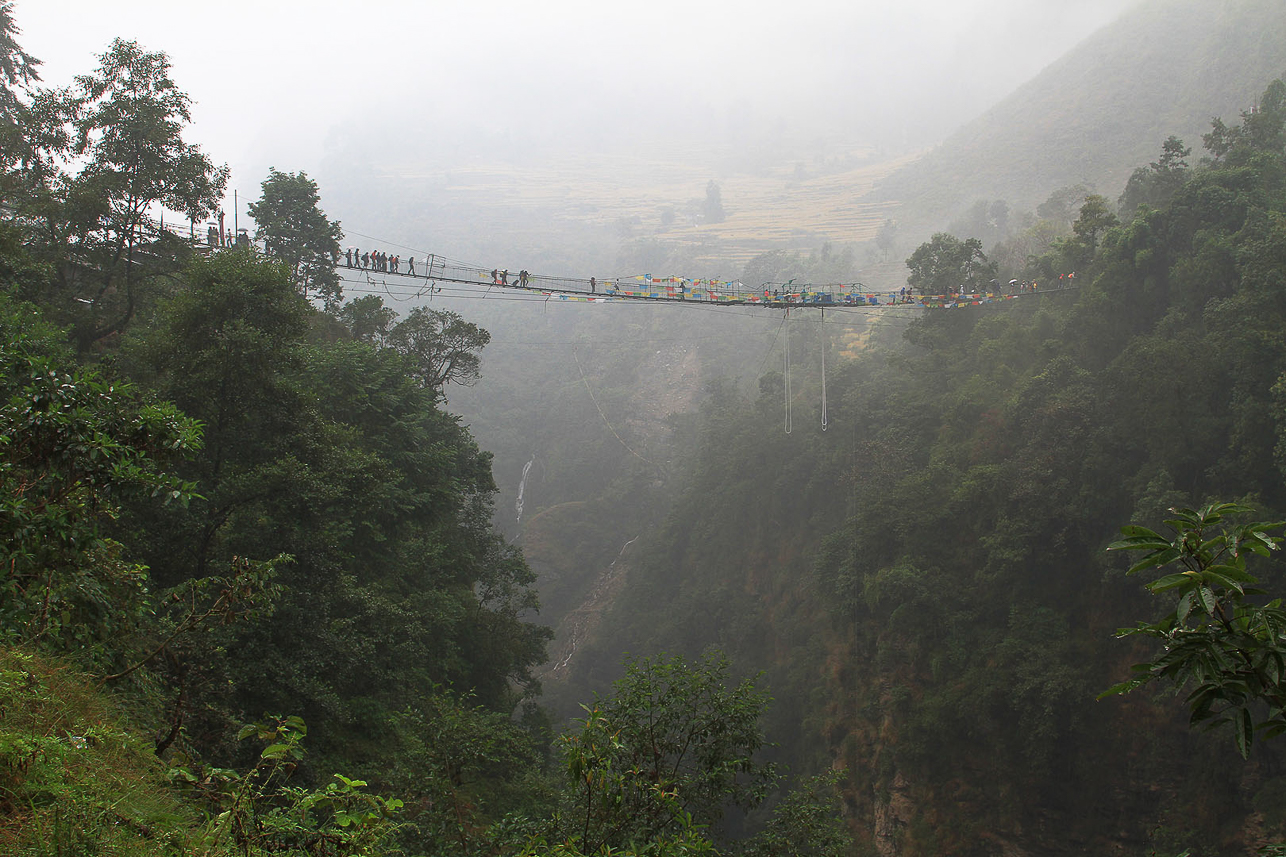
{"x":1166,"y":67}
{"x":896,"y":516}
{"x":1092,"y":116}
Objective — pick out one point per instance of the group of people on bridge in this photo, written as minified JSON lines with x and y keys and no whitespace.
{"x":378,"y":261}
{"x":1064,"y":281}
{"x":501,"y":278}
{"x":716,"y":291}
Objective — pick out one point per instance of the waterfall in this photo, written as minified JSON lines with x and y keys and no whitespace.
{"x":522,"y":486}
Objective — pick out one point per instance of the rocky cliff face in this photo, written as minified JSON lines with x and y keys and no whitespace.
{"x":890,"y":816}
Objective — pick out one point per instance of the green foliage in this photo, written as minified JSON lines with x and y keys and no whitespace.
{"x":690,"y":839}
{"x":1230,"y":650}
{"x":367,"y":319}
{"x":806,"y":823}
{"x":17,"y":72}
{"x":296,"y":233}
{"x":947,"y":645}
{"x":125,"y":124}
{"x":197,"y":607}
{"x":313,"y":479}
{"x":1095,"y":219}
{"x":953,"y":619}
{"x":77,"y":778}
{"x":1262,"y":129}
{"x":1156,"y":184}
{"x":17,"y":67}
{"x":672,"y":747}
{"x":987,"y":220}
{"x":75,"y":445}
{"x":1062,"y":204}
{"x":17,"y":132}
{"x":257,"y":812}
{"x":460,"y":765}
{"x":223,"y":349}
{"x":74,"y":778}
{"x":128,"y":117}
{"x":331,"y":453}
{"x":440,"y":347}
{"x":656,"y":768}
{"x":945,"y":264}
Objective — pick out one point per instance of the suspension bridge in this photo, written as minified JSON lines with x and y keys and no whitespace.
{"x":433,"y":272}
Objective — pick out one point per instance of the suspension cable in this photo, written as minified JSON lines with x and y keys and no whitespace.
{"x":824,"y":417}
{"x":593,"y":399}
{"x":787,"y":371}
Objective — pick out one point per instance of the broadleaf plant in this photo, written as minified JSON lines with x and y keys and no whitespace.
{"x":1229,"y":650}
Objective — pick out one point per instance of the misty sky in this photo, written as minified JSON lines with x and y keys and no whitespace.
{"x":281,"y":82}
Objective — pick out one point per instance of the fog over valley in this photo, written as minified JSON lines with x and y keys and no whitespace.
{"x":659,"y":429}
{"x":421,"y":90}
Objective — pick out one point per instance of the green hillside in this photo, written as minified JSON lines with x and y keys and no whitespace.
{"x":247,"y":546}
{"x":925,"y":582}
{"x":1095,"y":114}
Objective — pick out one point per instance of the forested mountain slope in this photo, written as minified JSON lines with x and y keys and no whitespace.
{"x":246,"y":545}
{"x":1166,"y":67}
{"x":253,"y":601}
{"x":925,"y":582}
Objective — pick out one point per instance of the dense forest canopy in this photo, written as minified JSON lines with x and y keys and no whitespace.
{"x":236,"y":503}
{"x":255,"y":602}
{"x":925,"y":582}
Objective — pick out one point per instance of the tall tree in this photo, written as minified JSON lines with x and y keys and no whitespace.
{"x":335,"y":454}
{"x":29,"y":131}
{"x":945,"y":262}
{"x":712,"y":208}
{"x":674,"y":744}
{"x":886,"y":239}
{"x":224,"y":350}
{"x":1156,"y":184}
{"x":127,"y":121}
{"x":1095,"y":219}
{"x":296,"y":231}
{"x":1062,"y":204}
{"x":17,"y":67}
{"x":367,"y":319}
{"x":987,"y":220}
{"x":441,"y":347}
{"x":1262,"y":128}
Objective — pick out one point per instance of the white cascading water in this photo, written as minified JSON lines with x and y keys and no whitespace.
{"x":522,"y":485}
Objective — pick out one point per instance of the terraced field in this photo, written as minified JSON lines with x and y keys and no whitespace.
{"x":659,"y":196}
